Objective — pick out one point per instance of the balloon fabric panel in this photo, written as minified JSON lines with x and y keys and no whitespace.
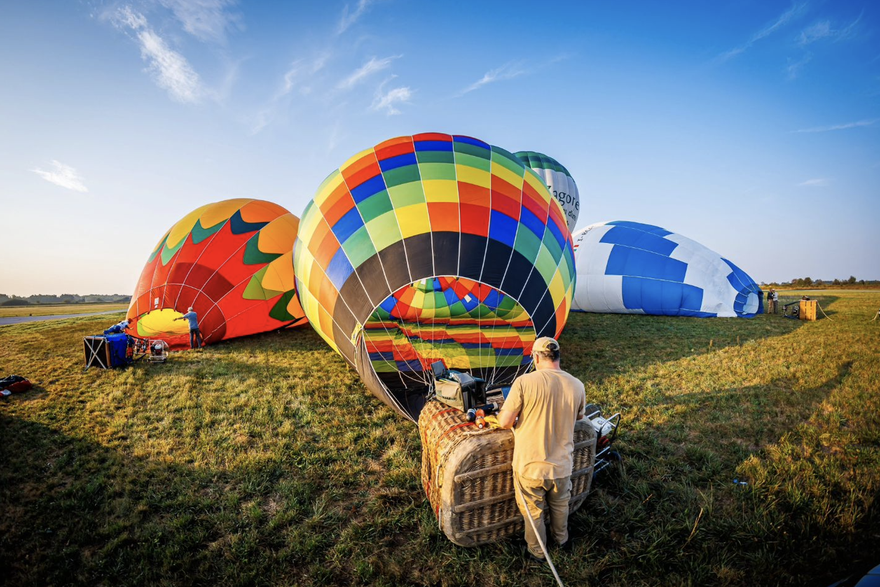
{"x":629,"y":267}
{"x":558,"y":180}
{"x":227,"y":260}
{"x":417,"y":250}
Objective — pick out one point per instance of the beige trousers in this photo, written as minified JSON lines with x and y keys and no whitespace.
{"x":538,"y":495}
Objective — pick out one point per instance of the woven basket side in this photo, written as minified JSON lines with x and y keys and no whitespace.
{"x":467,"y":476}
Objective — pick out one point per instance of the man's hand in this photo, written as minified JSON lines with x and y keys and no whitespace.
{"x":506,"y":418}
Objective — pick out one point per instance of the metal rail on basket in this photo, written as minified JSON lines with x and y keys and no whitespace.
{"x":593,"y":412}
{"x":601,"y":460}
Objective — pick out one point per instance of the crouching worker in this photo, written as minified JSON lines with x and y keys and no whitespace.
{"x":548,"y":402}
{"x":195,"y":336}
{"x":118,"y":328}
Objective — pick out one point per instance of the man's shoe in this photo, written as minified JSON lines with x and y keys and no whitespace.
{"x":533,"y":557}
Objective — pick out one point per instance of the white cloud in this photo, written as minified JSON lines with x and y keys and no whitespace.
{"x":794,"y":69}
{"x":349,"y":16}
{"x":845,"y":126}
{"x":815,"y":183}
{"x":296,"y":77}
{"x":387,"y":100}
{"x":297,"y":70}
{"x":505,"y":72}
{"x":127,"y":17}
{"x":824,"y":30}
{"x":334,"y":136}
{"x":64,"y":176}
{"x":170,"y":69}
{"x":813,"y":33}
{"x":366,"y":70}
{"x":792,"y":13}
{"x":207,"y":20}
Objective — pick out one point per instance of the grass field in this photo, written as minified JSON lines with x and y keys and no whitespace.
{"x":264,"y":461}
{"x":58,"y":309}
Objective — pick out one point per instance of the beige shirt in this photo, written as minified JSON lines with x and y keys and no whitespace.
{"x":548,"y":402}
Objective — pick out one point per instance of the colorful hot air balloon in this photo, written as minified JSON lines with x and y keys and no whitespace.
{"x":433,"y":248}
{"x":633,"y":268}
{"x":558,"y":180}
{"x":232,"y":262}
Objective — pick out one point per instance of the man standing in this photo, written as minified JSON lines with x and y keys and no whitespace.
{"x":548,"y":402}
{"x":195,"y":336}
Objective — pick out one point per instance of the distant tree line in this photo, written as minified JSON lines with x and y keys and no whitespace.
{"x":7,"y":300}
{"x":809,"y":282}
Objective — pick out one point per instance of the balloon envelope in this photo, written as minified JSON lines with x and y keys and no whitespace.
{"x":632,"y":268}
{"x":433,"y":248}
{"x":558,"y":181}
{"x":232,"y":262}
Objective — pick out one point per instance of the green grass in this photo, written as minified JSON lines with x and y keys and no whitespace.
{"x":58,"y":309}
{"x":264,"y":461}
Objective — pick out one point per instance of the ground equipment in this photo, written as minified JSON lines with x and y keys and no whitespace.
{"x":457,"y":389}
{"x":606,"y":434}
{"x":107,"y":351}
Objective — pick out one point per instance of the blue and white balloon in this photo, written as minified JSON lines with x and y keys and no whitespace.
{"x":632,"y":268}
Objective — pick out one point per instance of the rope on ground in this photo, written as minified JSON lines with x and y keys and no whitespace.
{"x":535,"y":530}
{"x":822,"y":310}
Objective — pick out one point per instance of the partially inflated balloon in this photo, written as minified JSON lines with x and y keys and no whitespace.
{"x":232,"y":262}
{"x":633,"y":268}
{"x":433,"y":248}
{"x":559,"y":182}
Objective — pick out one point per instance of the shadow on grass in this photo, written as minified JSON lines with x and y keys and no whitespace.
{"x":726,"y":426}
{"x":678,"y":478}
{"x":76,"y":512}
{"x":598,"y":346}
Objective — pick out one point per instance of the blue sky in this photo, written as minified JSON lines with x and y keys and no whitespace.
{"x":752,"y":127}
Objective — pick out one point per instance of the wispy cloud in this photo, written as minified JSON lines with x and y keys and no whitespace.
{"x":171,"y":71}
{"x":387,"y":100}
{"x":845,"y":126}
{"x":505,"y":72}
{"x":297,"y":77}
{"x":794,"y":69}
{"x":63,"y":175}
{"x":351,"y":16}
{"x":825,"y":30}
{"x":786,"y":17}
{"x":297,"y":71}
{"x":815,"y":183}
{"x":207,"y":20}
{"x":815,"y":32}
{"x":366,"y":70}
{"x":334,"y":136}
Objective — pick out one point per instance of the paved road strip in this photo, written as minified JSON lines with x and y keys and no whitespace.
{"x":20,"y":319}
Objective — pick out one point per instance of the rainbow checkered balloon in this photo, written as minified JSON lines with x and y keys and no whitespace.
{"x":433,"y":247}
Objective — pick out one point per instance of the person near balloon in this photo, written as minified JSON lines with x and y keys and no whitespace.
{"x":542,"y":408}
{"x":772,"y":301}
{"x":195,"y":336}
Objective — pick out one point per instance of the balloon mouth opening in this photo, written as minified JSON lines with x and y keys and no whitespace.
{"x":752,"y":304}
{"x":466,"y":324}
{"x":162,"y":324}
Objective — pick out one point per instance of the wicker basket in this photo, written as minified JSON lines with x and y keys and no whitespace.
{"x":468,"y":479}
